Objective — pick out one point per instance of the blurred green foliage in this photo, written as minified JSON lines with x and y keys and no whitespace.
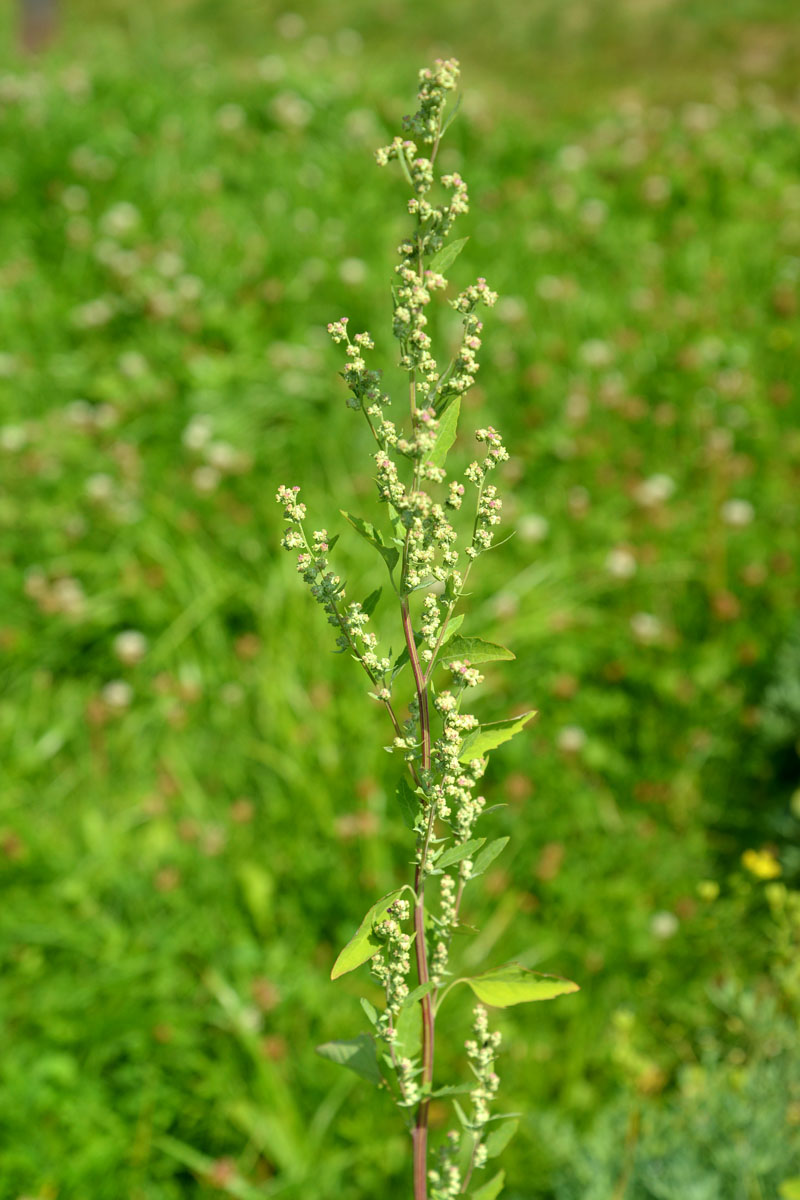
{"x":192,"y":824}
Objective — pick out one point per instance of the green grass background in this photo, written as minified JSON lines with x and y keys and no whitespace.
{"x":188,"y":197}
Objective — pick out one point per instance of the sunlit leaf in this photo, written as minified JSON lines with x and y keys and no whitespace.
{"x":488,"y":737}
{"x":499,"y":1138}
{"x":514,"y":984}
{"x":375,"y":538}
{"x":490,"y":1190}
{"x":357,"y":1054}
{"x":445,"y":258}
{"x":448,"y":428}
{"x":457,"y":853}
{"x":487,"y":855}
{"x":475,"y":650}
{"x":363,"y":944}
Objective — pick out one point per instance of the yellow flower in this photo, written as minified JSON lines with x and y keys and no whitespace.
{"x":761,"y":863}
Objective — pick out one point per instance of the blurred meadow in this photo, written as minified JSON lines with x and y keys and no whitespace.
{"x":196,"y":804}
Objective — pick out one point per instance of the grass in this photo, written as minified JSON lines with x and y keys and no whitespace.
{"x":183,"y":856}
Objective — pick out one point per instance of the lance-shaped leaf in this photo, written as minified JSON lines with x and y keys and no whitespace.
{"x":363,"y":944}
{"x":487,"y":856}
{"x":448,"y":428}
{"x":475,"y":650}
{"x":488,"y":737}
{"x":370,"y":604}
{"x":357,"y":1054}
{"x":410,"y":804}
{"x":375,"y":538}
{"x":445,"y":257}
{"x":490,"y":1190}
{"x":456,"y":853}
{"x":499,"y":1138}
{"x":514,"y":984}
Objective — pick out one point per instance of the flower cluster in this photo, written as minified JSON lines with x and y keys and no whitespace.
{"x":482,"y":1051}
{"x":452,"y":793}
{"x":446,"y":1179}
{"x":392,"y":963}
{"x":328,"y":589}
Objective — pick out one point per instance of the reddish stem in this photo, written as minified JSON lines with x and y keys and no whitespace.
{"x":420,"y":1132}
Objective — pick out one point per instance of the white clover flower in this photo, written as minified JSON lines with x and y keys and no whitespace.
{"x":290,"y":25}
{"x":205,"y":479}
{"x":620,"y":563}
{"x":13,"y":437}
{"x":132,"y":364}
{"x":230,"y":117}
{"x":533,"y":527}
{"x":664,"y":925}
{"x":99,"y":487}
{"x":122,"y":218}
{"x":572,"y":158}
{"x":75,"y":198}
{"x":130,"y":647}
{"x":596,"y":353}
{"x":69,"y":597}
{"x":737,"y":513}
{"x":117,"y":694}
{"x":94,"y":313}
{"x":291,"y":110}
{"x":352,"y":271}
{"x":655,"y":490}
{"x":646,"y":628}
{"x":656,"y":189}
{"x":571,"y":739}
{"x":272,"y":68}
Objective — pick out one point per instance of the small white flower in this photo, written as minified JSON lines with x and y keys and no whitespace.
{"x":655,"y":490}
{"x":572,"y":158}
{"x":197,"y":433}
{"x":117,"y":694}
{"x":205,"y":479}
{"x":13,"y":437}
{"x":596,"y":353}
{"x":130,"y":647}
{"x":99,"y":487}
{"x":646,"y":628}
{"x":620,"y":563}
{"x":230,"y":118}
{"x":737,"y":513}
{"x":352,"y":271}
{"x":120,"y":219}
{"x":272,"y":68}
{"x":533,"y":527}
{"x":571,"y":739}
{"x":664,"y":925}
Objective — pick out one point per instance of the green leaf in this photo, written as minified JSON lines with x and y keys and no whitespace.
{"x":410,"y":804}
{"x":448,"y":427}
{"x":454,"y":1089}
{"x":445,"y":258}
{"x":487,"y":855}
{"x":370,"y":1010}
{"x":363,"y":944}
{"x":424,"y":989}
{"x":371,"y":603}
{"x":408,"y":1024}
{"x":490,"y":1190}
{"x":513,"y":984}
{"x":456,"y":853}
{"x":790,"y":1189}
{"x":499,"y":1138}
{"x":256,"y":886}
{"x":357,"y":1054}
{"x":476,"y":650}
{"x":451,"y":118}
{"x":488,"y":737}
{"x":375,"y":538}
{"x":453,"y":625}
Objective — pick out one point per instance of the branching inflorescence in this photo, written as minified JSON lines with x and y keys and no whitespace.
{"x":444,"y":747}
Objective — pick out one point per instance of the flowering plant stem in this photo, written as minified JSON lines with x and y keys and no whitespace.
{"x":444,"y":749}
